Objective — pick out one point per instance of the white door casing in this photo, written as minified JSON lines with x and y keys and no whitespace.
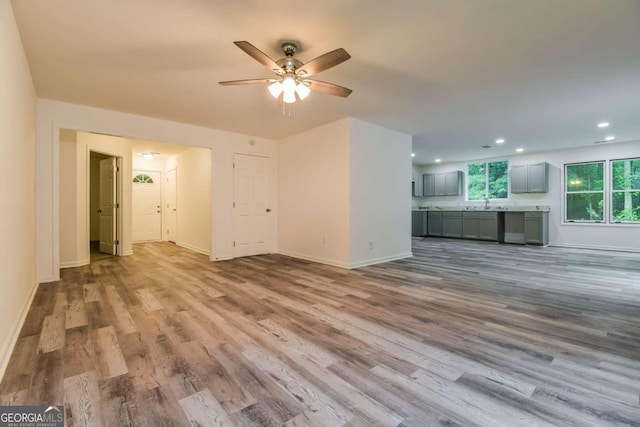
{"x":107,"y":211}
{"x":147,"y":204}
{"x":251,"y":205}
{"x":171,"y":211}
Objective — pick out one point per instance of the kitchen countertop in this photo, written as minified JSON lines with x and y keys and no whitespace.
{"x":539,"y":208}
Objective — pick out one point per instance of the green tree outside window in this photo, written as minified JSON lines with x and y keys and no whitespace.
{"x":584,"y":192}
{"x":488,"y":180}
{"x":625,"y":192}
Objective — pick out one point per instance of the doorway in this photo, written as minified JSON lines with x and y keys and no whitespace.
{"x":252,"y":223}
{"x":147,"y":206}
{"x":172,"y":205}
{"x":104,"y":204}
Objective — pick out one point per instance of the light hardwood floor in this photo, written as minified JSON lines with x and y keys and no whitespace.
{"x":464,"y":333}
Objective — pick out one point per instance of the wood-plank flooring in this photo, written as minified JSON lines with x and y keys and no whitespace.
{"x":464,"y":333}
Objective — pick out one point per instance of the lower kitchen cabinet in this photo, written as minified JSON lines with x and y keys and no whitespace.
{"x":481,"y":225}
{"x":434,"y":224}
{"x":452,"y":224}
{"x":536,"y":228}
{"x":419,"y":223}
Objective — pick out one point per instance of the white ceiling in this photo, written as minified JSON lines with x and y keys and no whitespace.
{"x":455,"y":74}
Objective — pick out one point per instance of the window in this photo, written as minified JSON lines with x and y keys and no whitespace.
{"x":142,"y":179}
{"x":584,"y":192}
{"x":625,"y":190}
{"x":488,"y":180}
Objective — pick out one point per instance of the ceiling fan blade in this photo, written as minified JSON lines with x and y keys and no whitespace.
{"x":259,"y":56}
{"x":329,"y":88}
{"x":246,"y":82}
{"x":323,"y":62}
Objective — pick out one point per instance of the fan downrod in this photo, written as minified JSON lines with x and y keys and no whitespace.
{"x":289,"y":48}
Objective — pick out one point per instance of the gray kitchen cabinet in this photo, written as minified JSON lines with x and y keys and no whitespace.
{"x":518,"y":176}
{"x":434,"y":224}
{"x":531,"y":178}
{"x":469,"y":225}
{"x":536,"y":228}
{"x":452,"y":224}
{"x":453,"y":183}
{"x":419,"y":223}
{"x":538,"y":178}
{"x":488,"y":226}
{"x":480,"y":225}
{"x":429,"y":184}
{"x":442,"y":184}
{"x":417,"y":186}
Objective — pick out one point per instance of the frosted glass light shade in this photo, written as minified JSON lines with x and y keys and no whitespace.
{"x":275,"y":89}
{"x":289,"y":97}
{"x":302,"y":90}
{"x":288,"y":84}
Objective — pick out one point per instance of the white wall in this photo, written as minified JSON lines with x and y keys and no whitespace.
{"x":53,"y":115}
{"x":193,"y":216}
{"x":380,"y":200}
{"x":313,"y":194}
{"x":340,"y":201}
{"x":17,"y":204}
{"x":595,"y":236}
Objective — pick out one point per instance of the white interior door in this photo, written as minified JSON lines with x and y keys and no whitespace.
{"x":251,"y":207}
{"x":147,"y":204}
{"x":107,"y":208}
{"x":172,"y":205}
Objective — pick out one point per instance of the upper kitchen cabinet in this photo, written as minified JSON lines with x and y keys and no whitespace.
{"x":416,"y":186}
{"x":531,"y":178}
{"x":443,"y":184}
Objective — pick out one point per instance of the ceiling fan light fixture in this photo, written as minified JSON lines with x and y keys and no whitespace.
{"x":302,"y":90}
{"x":289,"y":97}
{"x":289,"y":84}
{"x":275,"y":89}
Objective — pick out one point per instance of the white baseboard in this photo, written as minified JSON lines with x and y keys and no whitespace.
{"x":193,"y":248}
{"x":10,"y":343}
{"x":71,"y":264}
{"x":127,"y":253}
{"x":315,"y":259}
{"x":373,"y":261}
{"x":594,"y":247}
{"x":220,"y":257}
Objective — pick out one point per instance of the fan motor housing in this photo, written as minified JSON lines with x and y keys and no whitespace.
{"x":289,"y":64}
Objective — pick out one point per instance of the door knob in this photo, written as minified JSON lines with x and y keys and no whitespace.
{"x":268,"y":210}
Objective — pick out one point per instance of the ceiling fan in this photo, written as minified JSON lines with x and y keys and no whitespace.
{"x":292,"y":80}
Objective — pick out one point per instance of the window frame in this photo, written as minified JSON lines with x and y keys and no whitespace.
{"x":604,"y":191}
{"x":486,"y":180}
{"x":612,"y":191}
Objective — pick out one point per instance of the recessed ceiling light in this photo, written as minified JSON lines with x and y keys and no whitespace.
{"x":519,"y":150}
{"x":413,"y":154}
{"x":603,"y":124}
{"x":438,"y":160}
{"x":610,"y":138}
{"x":500,"y":141}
